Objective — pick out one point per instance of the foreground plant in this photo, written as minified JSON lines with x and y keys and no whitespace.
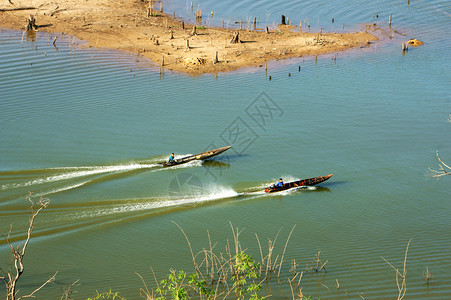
{"x":233,"y":274}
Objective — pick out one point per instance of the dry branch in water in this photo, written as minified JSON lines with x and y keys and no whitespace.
{"x":427,"y":275}
{"x":317,"y":265}
{"x":444,"y":169}
{"x":67,"y":292}
{"x":11,"y":277}
{"x":401,"y":277}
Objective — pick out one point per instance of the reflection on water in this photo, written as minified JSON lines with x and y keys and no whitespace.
{"x":31,"y":35}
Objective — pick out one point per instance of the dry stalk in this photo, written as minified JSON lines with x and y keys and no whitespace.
{"x":427,"y":275}
{"x":148,"y":295}
{"x":271,"y":246}
{"x":284,"y":249}
{"x":275,"y":265}
{"x":300,"y":294}
{"x":292,"y":279}
{"x":144,"y":293}
{"x":293,"y":266}
{"x":402,"y":287}
{"x":223,"y":271}
{"x":190,"y":249}
{"x":261,"y":254}
{"x":300,"y":278}
{"x":205,"y":260}
{"x":212,"y":256}
{"x":236,"y":236}
{"x":228,"y":251}
{"x":291,"y":288}
{"x":211,"y":263}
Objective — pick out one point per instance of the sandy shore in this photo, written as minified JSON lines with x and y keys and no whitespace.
{"x":126,"y":25}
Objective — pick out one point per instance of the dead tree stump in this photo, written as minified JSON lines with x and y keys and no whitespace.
{"x":283,"y":21}
{"x":236,"y":38}
{"x":31,"y":23}
{"x":194,"y":30}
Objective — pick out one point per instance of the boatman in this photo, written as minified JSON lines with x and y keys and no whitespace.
{"x":171,"y":158}
{"x":279,"y":184}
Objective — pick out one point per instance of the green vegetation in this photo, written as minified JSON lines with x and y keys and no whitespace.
{"x":179,"y":284}
{"x":245,"y":267}
{"x":107,"y":296}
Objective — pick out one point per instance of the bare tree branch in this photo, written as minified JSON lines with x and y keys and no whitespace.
{"x":12,"y":277}
{"x":51,"y":279}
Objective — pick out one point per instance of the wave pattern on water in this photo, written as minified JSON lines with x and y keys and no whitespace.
{"x":375,"y":119}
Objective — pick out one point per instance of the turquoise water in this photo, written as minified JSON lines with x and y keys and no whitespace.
{"x":86,"y":128}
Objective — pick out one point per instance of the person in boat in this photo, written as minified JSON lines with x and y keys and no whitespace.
{"x":171,"y":159}
{"x":279,"y":184}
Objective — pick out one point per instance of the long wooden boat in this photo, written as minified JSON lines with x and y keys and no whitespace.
{"x":299,"y":183}
{"x":199,"y":156}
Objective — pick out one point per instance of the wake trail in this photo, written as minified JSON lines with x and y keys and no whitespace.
{"x":159,"y":203}
{"x":79,"y":173}
{"x":216,"y":193}
{"x":66,"y":188}
{"x":69,"y":173}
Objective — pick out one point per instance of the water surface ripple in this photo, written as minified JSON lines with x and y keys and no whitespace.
{"x":86,"y":128}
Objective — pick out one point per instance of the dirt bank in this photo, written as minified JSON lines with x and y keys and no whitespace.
{"x":129,"y":25}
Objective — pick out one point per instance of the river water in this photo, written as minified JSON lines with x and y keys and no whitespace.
{"x":87,"y":127}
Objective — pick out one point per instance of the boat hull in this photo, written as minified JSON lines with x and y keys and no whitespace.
{"x":299,"y":183}
{"x":199,"y":156}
